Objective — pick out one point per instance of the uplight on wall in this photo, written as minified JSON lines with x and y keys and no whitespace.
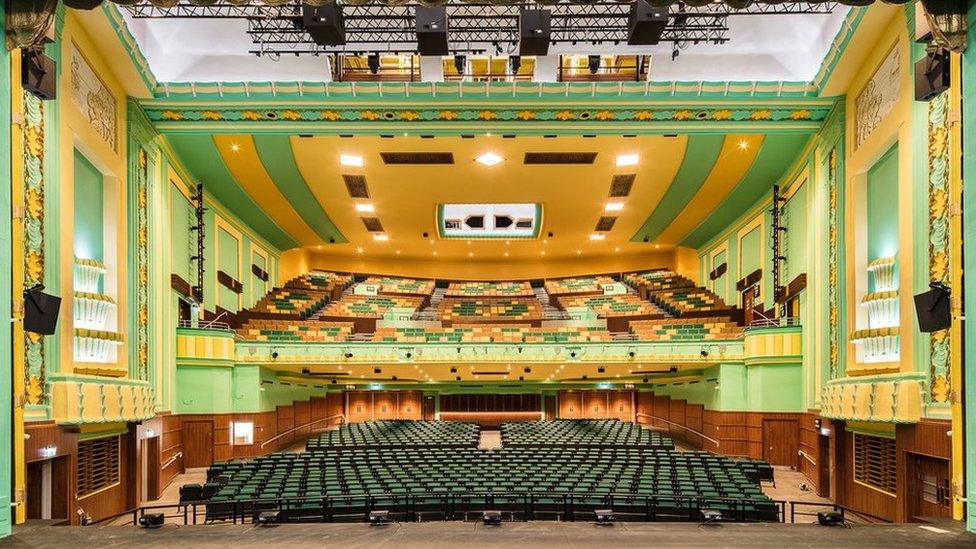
{"x":365,"y":207}
{"x":489,"y":159}
{"x":627,"y":160}
{"x":614,"y":206}
{"x":353,"y":160}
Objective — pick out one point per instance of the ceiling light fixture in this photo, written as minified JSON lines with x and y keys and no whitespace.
{"x":597,"y":236}
{"x":351,"y":160}
{"x":743,"y":144}
{"x":360,"y":250}
{"x":489,"y":159}
{"x":627,"y":159}
{"x":614,"y":206}
{"x":381,"y":237}
{"x":235,"y":147}
{"x":365,"y":207}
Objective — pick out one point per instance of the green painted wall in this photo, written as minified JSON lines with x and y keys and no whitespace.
{"x":882,"y":206}
{"x":969,"y":259}
{"x":736,"y":387}
{"x":89,"y":197}
{"x":6,"y":246}
{"x":182,"y":241}
{"x":751,"y":252}
{"x":797,"y":234}
{"x":258,"y":287}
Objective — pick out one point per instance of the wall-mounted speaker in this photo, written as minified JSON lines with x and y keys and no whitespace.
{"x":932,"y":75}
{"x":932,"y":308}
{"x":646,"y":23}
{"x":40,"y":311}
{"x":38,"y":74}
{"x":431,"y":30}
{"x":534,"y":32}
{"x":324,"y":24}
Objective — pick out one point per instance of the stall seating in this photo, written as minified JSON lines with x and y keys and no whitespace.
{"x":368,"y":306}
{"x":583,"y":433}
{"x":686,"y":329}
{"x":489,"y":289}
{"x":397,"y":433}
{"x":403,"y":286}
{"x":285,"y":330}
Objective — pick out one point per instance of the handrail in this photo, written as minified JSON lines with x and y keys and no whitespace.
{"x":342,"y":419}
{"x":212,"y":325}
{"x":807,"y":457}
{"x":171,"y":460}
{"x":699,"y":433}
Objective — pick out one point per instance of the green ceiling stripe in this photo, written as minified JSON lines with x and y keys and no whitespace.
{"x":700,"y":157}
{"x":276,"y":154}
{"x":772,"y":161}
{"x":200,"y":156}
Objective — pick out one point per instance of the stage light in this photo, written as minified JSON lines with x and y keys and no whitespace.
{"x":489,"y":159}
{"x":377,"y":518}
{"x":268,"y":518}
{"x":492,"y":518}
{"x":614,"y":206}
{"x":627,"y":160}
{"x":152,"y":520}
{"x":597,"y":236}
{"x":365,"y":207}
{"x":351,"y":160}
{"x":604,"y":517}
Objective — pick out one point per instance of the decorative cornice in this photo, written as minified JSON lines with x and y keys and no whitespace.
{"x":838,"y":46}
{"x":131,"y":47}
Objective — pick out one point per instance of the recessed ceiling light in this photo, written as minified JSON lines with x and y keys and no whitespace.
{"x":657,"y":246}
{"x":360,"y":250}
{"x":614,"y":206}
{"x":365,"y":207}
{"x":627,"y":159}
{"x":579,"y":252}
{"x":435,"y":252}
{"x":398,"y":252}
{"x":489,"y":159}
{"x":470,"y":254}
{"x":616,"y":249}
{"x":543,"y":252}
{"x":352,"y":160}
{"x":743,"y":144}
{"x":381,"y":237}
{"x":235,"y":147}
{"x":597,"y":236}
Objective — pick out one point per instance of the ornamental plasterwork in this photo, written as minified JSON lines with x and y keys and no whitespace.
{"x":142,"y":264}
{"x":878,"y":96}
{"x":939,"y":225}
{"x":33,"y":158}
{"x":93,"y":99}
{"x":833,"y":324}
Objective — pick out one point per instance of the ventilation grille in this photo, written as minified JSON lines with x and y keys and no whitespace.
{"x":98,"y":465}
{"x":620,"y":185}
{"x":417,"y":157}
{"x":605,"y":223}
{"x":560,"y":158}
{"x":373,"y":224}
{"x":874,"y":462}
{"x":356,"y":185}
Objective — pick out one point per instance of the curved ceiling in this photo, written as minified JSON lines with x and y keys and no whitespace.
{"x":292,"y":191}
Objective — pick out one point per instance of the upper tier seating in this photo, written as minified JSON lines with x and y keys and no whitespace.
{"x":685,"y":329}
{"x":583,"y":432}
{"x":285,"y":330}
{"x":688,"y":300}
{"x":578,"y":285}
{"x":290,"y":302}
{"x":397,"y":433}
{"x":681,"y":482}
{"x":489,"y":289}
{"x":611,"y":305}
{"x":467,"y":310}
{"x":397,"y":285}
{"x":319,"y":281}
{"x":491,"y":334}
{"x":368,"y":306}
{"x":661,"y":279}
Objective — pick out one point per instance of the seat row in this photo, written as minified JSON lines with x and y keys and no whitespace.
{"x":491,"y":334}
{"x":290,"y":302}
{"x":611,"y":305}
{"x":369,"y":306}
{"x":686,"y":329}
{"x":321,"y":281}
{"x":577,"y":285}
{"x":286,"y":330}
{"x":489,"y":289}
{"x":688,"y":300}
{"x":399,"y":285}
{"x":583,"y":433}
{"x":659,"y":279}
{"x":396,"y":433}
{"x":462,"y":309}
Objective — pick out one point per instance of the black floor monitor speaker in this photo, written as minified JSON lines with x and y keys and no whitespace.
{"x":38,"y":74}
{"x":324,"y":24}
{"x":534,"y":32}
{"x":932,"y":308}
{"x":432,"y":30}
{"x":152,"y":520}
{"x":646,"y":23}
{"x":40,"y":311}
{"x":931,"y":75}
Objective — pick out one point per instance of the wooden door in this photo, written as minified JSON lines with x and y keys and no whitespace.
{"x":930,"y":493}
{"x":550,"y":407}
{"x":823,"y":463}
{"x":150,"y":448}
{"x":780,"y":441}
{"x":198,"y":443}
{"x":429,"y":408}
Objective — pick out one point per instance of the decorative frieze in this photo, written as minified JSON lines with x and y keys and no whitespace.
{"x":884,"y":398}
{"x":939,"y":236}
{"x":878,"y":96}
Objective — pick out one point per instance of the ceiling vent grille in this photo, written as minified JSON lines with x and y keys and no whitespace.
{"x":373,"y":224}
{"x":560,"y":158}
{"x":356,"y":185}
{"x":620,"y":185}
{"x":417,"y":157}
{"x":605,"y":223}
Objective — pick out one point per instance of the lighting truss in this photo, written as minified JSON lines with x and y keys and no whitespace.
{"x":276,"y":30}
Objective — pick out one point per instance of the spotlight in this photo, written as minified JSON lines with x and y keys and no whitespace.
{"x":379,"y":518}
{"x":458,"y":378}
{"x":572,"y":354}
{"x":334,"y":382}
{"x":631,"y":354}
{"x":830,"y":518}
{"x":347,"y":354}
{"x":426,"y":235}
{"x":704,"y":353}
{"x":377,"y":370}
{"x":409,"y":356}
{"x":152,"y":520}
{"x":601,"y":370}
{"x":520,"y":350}
{"x":673,"y":369}
{"x":459,"y":62}
{"x":604,"y":517}
{"x":647,"y":239}
{"x":373,"y":62}
{"x":274,"y":355}
{"x":459,"y":350}
{"x":268,"y":518}
{"x":492,"y":518}
{"x":331,"y":240}
{"x":527,"y":370}
{"x":710,"y":516}
{"x":593,"y":63}
{"x":453,"y":370}
{"x":515,"y":62}
{"x":521,"y":378}
{"x":551,"y":234}
{"x":645,"y":380}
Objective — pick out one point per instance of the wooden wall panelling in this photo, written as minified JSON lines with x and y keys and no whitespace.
{"x":359,"y":406}
{"x":809,"y":444}
{"x":622,"y":405}
{"x":594,"y":404}
{"x":410,"y":405}
{"x":385,"y":405}
{"x":303,"y":415}
{"x":118,"y":498}
{"x":861,"y":497}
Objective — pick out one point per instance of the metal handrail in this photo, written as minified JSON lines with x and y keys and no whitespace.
{"x":699,"y":433}
{"x":212,"y":325}
{"x":342,"y":419}
{"x":171,"y":460}
{"x":807,"y":457}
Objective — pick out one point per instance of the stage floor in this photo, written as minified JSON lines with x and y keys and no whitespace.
{"x":523,"y":535}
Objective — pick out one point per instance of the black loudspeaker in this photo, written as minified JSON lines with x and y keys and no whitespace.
{"x":931,"y":75}
{"x":932,"y":308}
{"x":38,"y":74}
{"x":152,"y":520}
{"x":324,"y":24}
{"x":432,"y":30}
{"x":646,"y":23}
{"x":944,"y":7}
{"x":40,"y":311}
{"x":534,"y":32}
